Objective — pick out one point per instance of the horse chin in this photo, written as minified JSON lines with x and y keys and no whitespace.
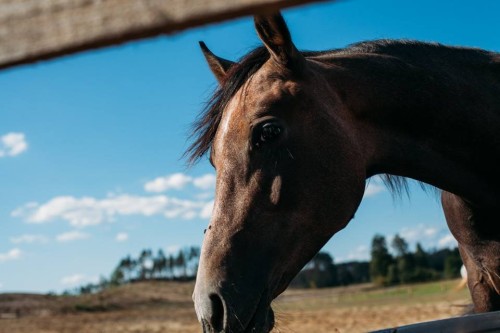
{"x":264,"y":326}
{"x":263,"y":321}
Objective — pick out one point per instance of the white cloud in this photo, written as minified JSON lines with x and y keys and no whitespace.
{"x":86,"y":211}
{"x":189,"y":215}
{"x":175,"y":181}
{"x":374,"y":186}
{"x":447,"y":241}
{"x":178,"y":181}
{"x":206,"y":211}
{"x":29,"y":239}
{"x":78,"y":279}
{"x":431,"y":232}
{"x":148,"y":263}
{"x":81,"y":212}
{"x":12,"y":144}
{"x":419,"y":232}
{"x":428,"y":236}
{"x":172,"y":249}
{"x":22,"y":211}
{"x":78,"y":211}
{"x":358,"y":254}
{"x":72,"y":236}
{"x":10,"y":255}
{"x":121,"y":237}
{"x":204,"y":195}
{"x":205,"y":182}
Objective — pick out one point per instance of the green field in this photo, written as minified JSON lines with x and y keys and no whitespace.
{"x":366,"y":294}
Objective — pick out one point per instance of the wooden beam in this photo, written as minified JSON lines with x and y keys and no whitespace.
{"x":33,"y":30}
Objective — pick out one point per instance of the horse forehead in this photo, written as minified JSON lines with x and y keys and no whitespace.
{"x":231,"y":116}
{"x":259,"y":92}
{"x":233,"y":111}
{"x":267,"y":88}
{"x":255,"y":96}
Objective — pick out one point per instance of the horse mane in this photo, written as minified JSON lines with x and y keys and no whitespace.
{"x":208,"y":121}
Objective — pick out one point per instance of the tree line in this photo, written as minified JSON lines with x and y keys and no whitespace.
{"x":406,"y":266}
{"x":180,"y":266}
{"x":383,"y":268}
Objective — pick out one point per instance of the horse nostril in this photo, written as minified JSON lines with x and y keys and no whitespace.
{"x":217,"y":313}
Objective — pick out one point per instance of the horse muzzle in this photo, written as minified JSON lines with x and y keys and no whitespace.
{"x":234,"y":312}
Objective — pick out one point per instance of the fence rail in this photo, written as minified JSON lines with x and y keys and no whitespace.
{"x":33,"y":30}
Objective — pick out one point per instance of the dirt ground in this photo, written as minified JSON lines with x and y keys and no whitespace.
{"x":167,"y":307}
{"x":361,"y":318}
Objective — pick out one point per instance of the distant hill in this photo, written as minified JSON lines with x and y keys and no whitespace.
{"x":140,"y":294}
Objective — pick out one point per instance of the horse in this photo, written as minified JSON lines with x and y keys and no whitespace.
{"x":294,"y":136}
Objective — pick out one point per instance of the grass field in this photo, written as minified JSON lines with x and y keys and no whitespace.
{"x":167,"y":307}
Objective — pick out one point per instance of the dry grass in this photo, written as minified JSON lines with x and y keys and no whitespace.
{"x":167,"y":307}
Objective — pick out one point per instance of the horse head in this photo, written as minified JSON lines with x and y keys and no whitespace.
{"x":290,"y":174}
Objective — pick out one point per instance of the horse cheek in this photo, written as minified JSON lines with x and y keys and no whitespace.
{"x":275,"y":194}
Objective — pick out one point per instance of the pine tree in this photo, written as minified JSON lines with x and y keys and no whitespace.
{"x":399,"y":245}
{"x":380,"y":260}
{"x":405,"y":261}
{"x":452,"y":264}
{"x":160,"y":264}
{"x":180,"y":262}
{"x":421,"y":257}
{"x":145,"y":264}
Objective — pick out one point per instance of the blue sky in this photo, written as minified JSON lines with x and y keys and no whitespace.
{"x":91,"y":144}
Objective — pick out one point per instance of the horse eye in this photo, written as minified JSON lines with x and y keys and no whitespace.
{"x":266,"y":133}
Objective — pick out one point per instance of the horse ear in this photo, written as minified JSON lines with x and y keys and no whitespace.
{"x":274,"y":33}
{"x":218,"y":66}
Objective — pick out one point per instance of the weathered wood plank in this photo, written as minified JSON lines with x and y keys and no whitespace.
{"x":33,"y":30}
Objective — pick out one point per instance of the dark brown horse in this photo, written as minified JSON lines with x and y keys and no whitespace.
{"x":294,"y":136}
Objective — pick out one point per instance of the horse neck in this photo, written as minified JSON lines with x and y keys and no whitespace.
{"x":438,"y":124}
